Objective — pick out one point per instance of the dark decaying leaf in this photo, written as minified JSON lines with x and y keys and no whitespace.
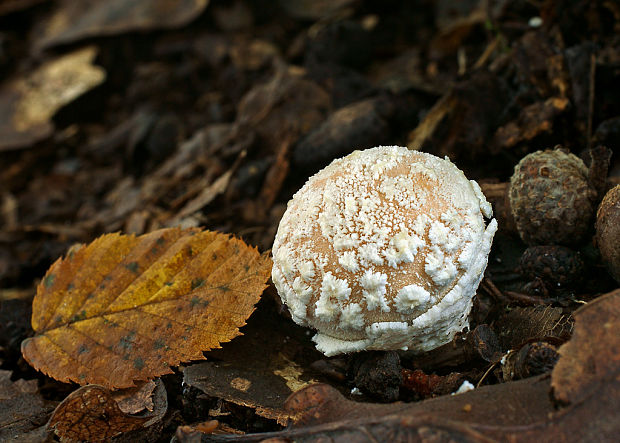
{"x":136,"y":400}
{"x":534,"y":120}
{"x":590,"y":360}
{"x":74,"y":21}
{"x":127,"y":308}
{"x":323,"y":413}
{"x":534,"y":323}
{"x":285,"y":107}
{"x":259,"y":370}
{"x":587,"y":377}
{"x":91,"y":414}
{"x":22,"y":409}
{"x":463,"y":117}
{"x":28,"y":103}
{"x":358,"y":125}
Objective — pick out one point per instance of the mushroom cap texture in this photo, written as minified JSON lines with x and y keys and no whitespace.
{"x":383,"y":249}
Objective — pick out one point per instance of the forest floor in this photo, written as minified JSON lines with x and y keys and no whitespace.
{"x":120,"y":116}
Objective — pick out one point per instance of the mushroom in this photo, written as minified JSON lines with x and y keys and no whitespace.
{"x":383,"y":249}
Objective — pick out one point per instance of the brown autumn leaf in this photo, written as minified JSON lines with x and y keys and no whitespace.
{"x":137,"y":399}
{"x":91,"y":414}
{"x":126,"y":308}
{"x":71,"y":22}
{"x":28,"y":102}
{"x":591,"y":359}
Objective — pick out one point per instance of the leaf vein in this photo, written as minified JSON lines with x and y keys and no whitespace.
{"x":64,"y":351}
{"x":208,"y":331}
{"x":129,"y":283}
{"x":181,"y":270}
{"x":157,"y":260}
{"x":100,"y":253}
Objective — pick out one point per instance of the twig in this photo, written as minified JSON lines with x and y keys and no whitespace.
{"x":591,"y":97}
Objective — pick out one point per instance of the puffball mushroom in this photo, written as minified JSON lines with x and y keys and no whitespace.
{"x":383,"y":249}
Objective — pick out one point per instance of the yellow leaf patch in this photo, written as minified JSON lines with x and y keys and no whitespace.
{"x":126,"y":308}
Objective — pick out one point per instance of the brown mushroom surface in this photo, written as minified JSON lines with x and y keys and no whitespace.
{"x":383,"y":249}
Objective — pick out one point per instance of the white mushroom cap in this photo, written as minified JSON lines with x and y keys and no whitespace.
{"x":383,"y":249}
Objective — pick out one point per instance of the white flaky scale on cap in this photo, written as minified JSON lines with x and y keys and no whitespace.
{"x":383,"y":249}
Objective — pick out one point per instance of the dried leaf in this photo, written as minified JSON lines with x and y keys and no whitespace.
{"x":586,"y":377}
{"x":274,"y":178}
{"x":28,"y":104}
{"x":521,"y":325}
{"x":533,"y":121}
{"x":74,"y":21}
{"x":472,"y":416}
{"x":518,"y":411}
{"x":590,"y":358}
{"x":256,"y":371}
{"x":313,"y":9}
{"x":91,"y":414}
{"x":21,"y":407}
{"x":135,"y":400}
{"x":127,"y":308}
{"x":207,"y":195}
{"x":460,"y":122}
{"x":286,"y":107}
